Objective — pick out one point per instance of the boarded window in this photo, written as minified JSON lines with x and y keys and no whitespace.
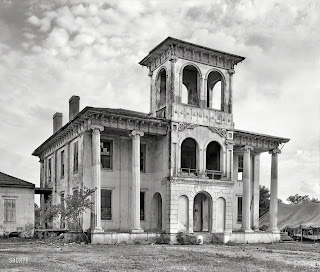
{"x":9,"y":210}
{"x":239,"y":215}
{"x":240,"y":167}
{"x":106,"y":212}
{"x":143,"y":148}
{"x":62,"y":164}
{"x":49,"y":170}
{"x":75,"y":157}
{"x":142,"y":206}
{"x":106,"y":154}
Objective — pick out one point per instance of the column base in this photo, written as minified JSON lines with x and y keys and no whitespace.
{"x":136,"y":231}
{"x":275,"y":230}
{"x":98,"y":230}
{"x":246,"y":230}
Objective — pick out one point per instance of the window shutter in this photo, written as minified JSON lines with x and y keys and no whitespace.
{"x":13,"y":219}
{"x":5,"y":210}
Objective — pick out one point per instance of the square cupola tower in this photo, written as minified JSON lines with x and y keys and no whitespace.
{"x":191,"y":83}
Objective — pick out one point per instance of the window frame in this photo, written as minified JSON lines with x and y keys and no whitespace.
{"x":240,"y":168}
{"x":62,"y":168}
{"x":239,"y":209}
{"x":143,"y":150}
{"x":143,"y":214}
{"x":6,"y":210}
{"x":101,"y":216}
{"x":49,"y":173}
{"x":111,"y":154}
{"x":75,"y":157}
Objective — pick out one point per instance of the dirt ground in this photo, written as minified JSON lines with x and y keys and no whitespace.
{"x":26,"y":255}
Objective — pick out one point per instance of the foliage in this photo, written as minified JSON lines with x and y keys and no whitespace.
{"x":264,"y":200}
{"x":74,"y":207}
{"x":182,"y":238}
{"x":71,"y":210}
{"x":37,"y":211}
{"x":296,"y":199}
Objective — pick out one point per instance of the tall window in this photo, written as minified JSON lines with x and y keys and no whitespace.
{"x":188,"y":156}
{"x":106,"y":212}
{"x":9,"y":210}
{"x":239,"y":215}
{"x":143,"y":148}
{"x":62,"y":221}
{"x":106,"y":154}
{"x":75,"y":157}
{"x":240,"y":167}
{"x":62,"y":163}
{"x":142,"y":207}
{"x":49,"y":170}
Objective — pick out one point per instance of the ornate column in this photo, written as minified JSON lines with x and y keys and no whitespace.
{"x":256,"y":190}
{"x":231,"y":72}
{"x":274,"y":191}
{"x":135,"y":186}
{"x":246,"y":195}
{"x":96,"y":171}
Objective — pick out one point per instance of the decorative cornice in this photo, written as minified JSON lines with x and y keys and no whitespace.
{"x":172,"y":47}
{"x":199,"y":181}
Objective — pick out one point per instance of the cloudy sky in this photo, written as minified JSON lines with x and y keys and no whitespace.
{"x":53,"y":49}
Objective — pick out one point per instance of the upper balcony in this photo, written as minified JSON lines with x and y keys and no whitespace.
{"x":206,"y":117}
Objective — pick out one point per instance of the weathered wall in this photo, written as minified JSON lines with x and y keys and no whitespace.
{"x":24,"y":208}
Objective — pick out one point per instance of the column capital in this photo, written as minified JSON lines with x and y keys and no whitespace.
{"x":275,"y":151}
{"x":246,"y":148}
{"x":135,"y":133}
{"x":173,"y":59}
{"x":231,"y":71}
{"x":97,"y":127}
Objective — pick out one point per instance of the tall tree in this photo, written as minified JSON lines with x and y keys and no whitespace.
{"x":264,"y":200}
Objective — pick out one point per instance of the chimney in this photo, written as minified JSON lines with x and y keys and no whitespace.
{"x":57,"y":121}
{"x":74,"y":105}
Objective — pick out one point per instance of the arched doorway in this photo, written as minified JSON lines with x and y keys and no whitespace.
{"x":157,"y":212}
{"x":215,"y":90}
{"x":183,"y":213}
{"x":201,"y":212}
{"x":220,"y":215}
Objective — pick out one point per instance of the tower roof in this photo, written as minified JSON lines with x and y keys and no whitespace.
{"x":182,"y":49}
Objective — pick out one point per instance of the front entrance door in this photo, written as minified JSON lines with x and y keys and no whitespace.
{"x":201,"y":213}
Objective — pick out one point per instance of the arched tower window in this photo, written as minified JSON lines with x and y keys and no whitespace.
{"x":213,"y":160}
{"x":214,"y":90}
{"x":189,"y":156}
{"x":190,"y":79}
{"x":162,"y":87}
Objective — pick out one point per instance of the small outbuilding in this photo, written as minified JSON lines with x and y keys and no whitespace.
{"x":16,"y":206}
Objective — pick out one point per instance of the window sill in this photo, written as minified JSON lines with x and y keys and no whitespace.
{"x":107,"y":170}
{"x":106,"y":220}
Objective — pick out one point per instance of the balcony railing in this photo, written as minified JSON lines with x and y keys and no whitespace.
{"x":189,"y":172}
{"x":213,"y":174}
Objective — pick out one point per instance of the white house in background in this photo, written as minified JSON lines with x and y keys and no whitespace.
{"x":16,"y":206}
{"x":182,"y":167}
